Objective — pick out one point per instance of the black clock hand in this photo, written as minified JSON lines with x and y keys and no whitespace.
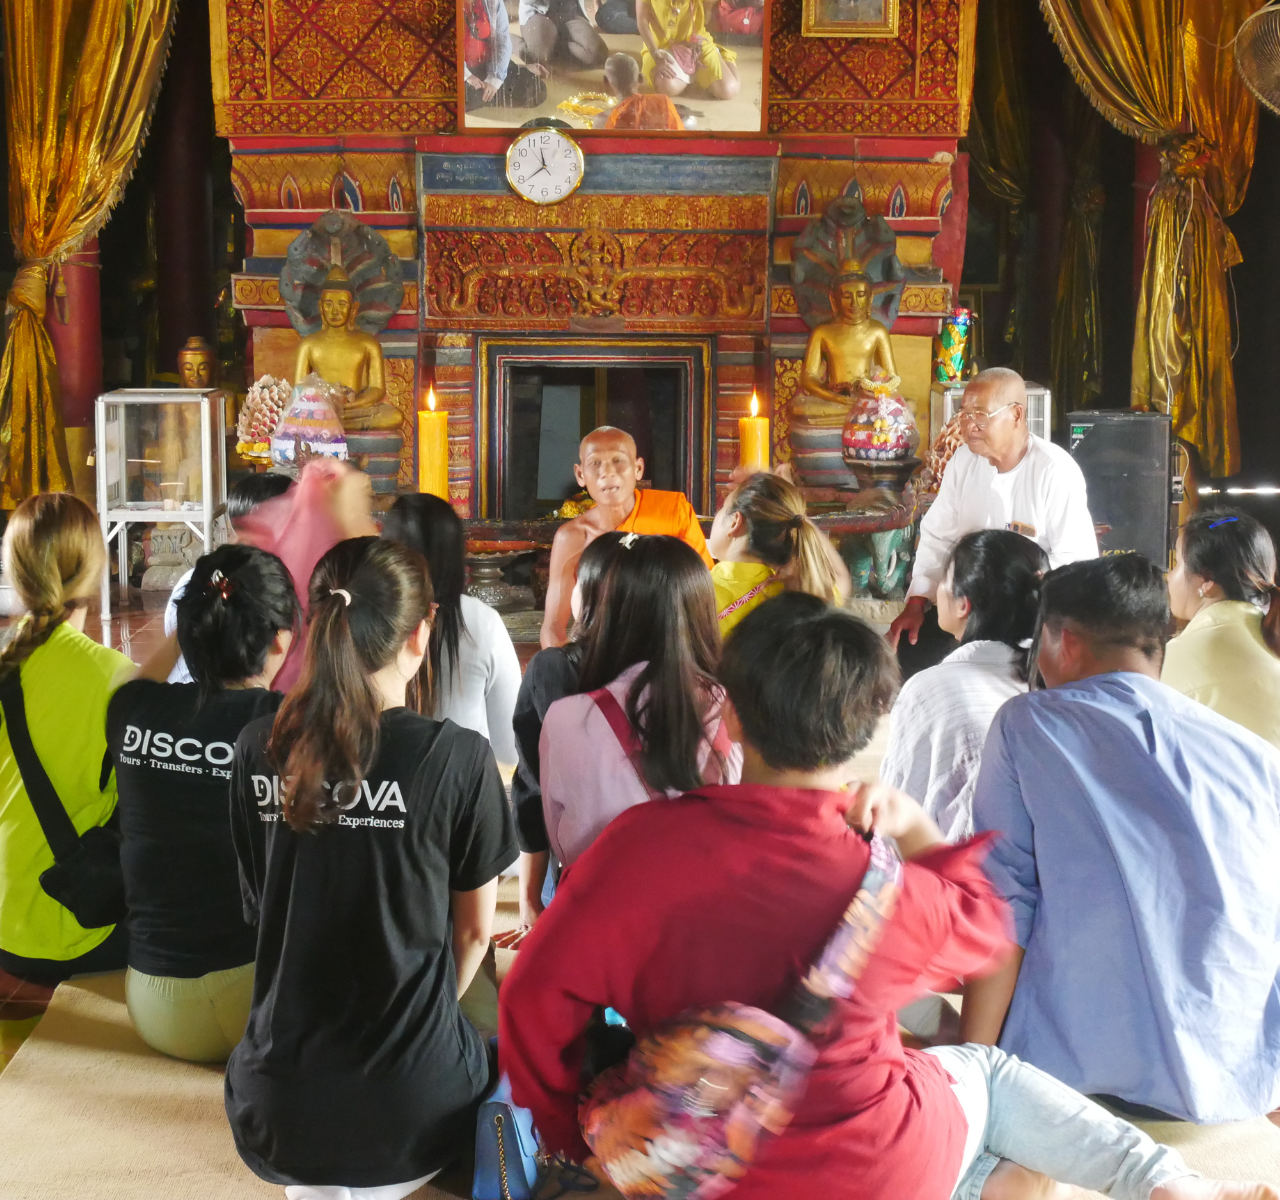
{"x":537,"y":172}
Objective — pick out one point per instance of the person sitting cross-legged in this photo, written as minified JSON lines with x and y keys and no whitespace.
{"x":730,"y":892}
{"x":1139,"y":836}
{"x":988,"y":600}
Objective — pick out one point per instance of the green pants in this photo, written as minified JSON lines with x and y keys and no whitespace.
{"x":200,"y":1020}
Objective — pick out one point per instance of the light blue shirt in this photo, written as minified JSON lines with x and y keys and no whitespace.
{"x":1140,"y":851}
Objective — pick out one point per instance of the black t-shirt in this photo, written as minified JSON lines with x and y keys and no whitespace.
{"x":357,"y":1066}
{"x":551,"y":675}
{"x":173,"y":772}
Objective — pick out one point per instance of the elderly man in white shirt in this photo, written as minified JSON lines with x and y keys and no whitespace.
{"x":1003,"y":477}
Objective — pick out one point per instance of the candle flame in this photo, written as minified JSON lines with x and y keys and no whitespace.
{"x":755,"y":405}
{"x":431,"y":397}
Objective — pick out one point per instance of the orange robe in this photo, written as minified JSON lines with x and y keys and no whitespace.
{"x":645,"y":112}
{"x":667,"y":513}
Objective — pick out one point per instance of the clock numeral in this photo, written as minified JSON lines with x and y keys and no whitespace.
{"x":569,"y":153}
{"x":546,"y":139}
{"x":558,"y":189}
{"x":544,"y":191}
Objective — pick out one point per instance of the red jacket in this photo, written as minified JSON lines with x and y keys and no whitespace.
{"x":729,"y":893}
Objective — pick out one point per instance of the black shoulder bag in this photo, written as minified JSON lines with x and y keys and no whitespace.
{"x":86,"y":878}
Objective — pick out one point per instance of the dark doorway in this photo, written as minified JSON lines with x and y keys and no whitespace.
{"x":538,"y":399}
{"x":552,"y":407}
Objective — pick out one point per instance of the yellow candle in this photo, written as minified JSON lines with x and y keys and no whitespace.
{"x":433,"y":449}
{"x":753,"y":439}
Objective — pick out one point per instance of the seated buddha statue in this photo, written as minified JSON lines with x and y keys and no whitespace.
{"x":841,"y":352}
{"x":342,"y":354}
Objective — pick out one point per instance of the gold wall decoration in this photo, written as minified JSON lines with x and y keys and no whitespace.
{"x":786,"y":383}
{"x":303,"y":178}
{"x":924,"y":187}
{"x":850,"y":18}
{"x":489,"y":279}
{"x":639,"y":212}
{"x":400,"y":376}
{"x":263,"y":291}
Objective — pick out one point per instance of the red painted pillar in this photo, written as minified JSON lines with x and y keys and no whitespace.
{"x":74,"y":322}
{"x":183,"y":137}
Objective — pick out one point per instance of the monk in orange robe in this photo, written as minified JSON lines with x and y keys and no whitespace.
{"x":609,"y":469}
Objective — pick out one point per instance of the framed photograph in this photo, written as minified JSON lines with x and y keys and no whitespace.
{"x":618,"y":66}
{"x":850,"y":18}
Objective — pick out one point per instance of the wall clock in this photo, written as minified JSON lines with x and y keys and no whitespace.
{"x":544,"y":165}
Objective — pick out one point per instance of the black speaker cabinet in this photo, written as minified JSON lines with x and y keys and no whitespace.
{"x":1127,"y":462}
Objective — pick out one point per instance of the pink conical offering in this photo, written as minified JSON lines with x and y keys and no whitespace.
{"x":311,"y":421}
{"x":879,"y":426}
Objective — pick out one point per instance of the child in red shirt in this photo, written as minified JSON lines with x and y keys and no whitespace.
{"x":730,"y":892}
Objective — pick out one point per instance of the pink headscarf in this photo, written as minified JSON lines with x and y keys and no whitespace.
{"x":300,"y":529}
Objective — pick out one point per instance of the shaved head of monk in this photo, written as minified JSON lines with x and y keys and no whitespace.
{"x":609,"y":468}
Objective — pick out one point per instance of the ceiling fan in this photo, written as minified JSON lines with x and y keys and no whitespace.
{"x":1258,"y":54}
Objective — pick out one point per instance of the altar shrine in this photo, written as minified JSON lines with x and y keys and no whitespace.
{"x":660,"y":295}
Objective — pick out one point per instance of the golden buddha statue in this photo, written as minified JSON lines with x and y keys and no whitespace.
{"x":841,"y":352}
{"x":342,"y":354}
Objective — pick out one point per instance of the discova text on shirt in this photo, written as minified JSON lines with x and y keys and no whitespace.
{"x":161,"y":748}
{"x":266,"y":790}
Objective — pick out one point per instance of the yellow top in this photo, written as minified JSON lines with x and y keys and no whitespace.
{"x":1221,"y":660}
{"x":740,"y":587}
{"x":66,"y":684}
{"x":682,"y":21}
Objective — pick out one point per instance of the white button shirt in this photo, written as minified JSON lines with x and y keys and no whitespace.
{"x":1042,"y":497}
{"x":938,"y":727}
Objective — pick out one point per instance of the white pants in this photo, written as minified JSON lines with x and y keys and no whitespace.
{"x":389,"y":1191}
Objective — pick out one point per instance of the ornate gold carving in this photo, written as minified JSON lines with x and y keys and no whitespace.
{"x":461,"y":341}
{"x":606,"y":212}
{"x":786,"y":383}
{"x":784,"y":301}
{"x":925,"y":185}
{"x":263,"y":291}
{"x":399,"y":376}
{"x":489,"y":278}
{"x":925,"y":300}
{"x":299,"y":179}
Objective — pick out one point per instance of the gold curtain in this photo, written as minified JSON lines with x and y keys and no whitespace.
{"x":999,"y":140}
{"x":1076,"y":346}
{"x":1162,"y":70}
{"x":81,"y":77}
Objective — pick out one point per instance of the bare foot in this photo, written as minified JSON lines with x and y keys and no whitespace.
{"x":1012,"y":1182}
{"x":1194,"y":1188}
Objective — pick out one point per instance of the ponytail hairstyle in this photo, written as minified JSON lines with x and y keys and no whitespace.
{"x":658,"y":607}
{"x":1230,"y":548}
{"x":780,"y":534}
{"x":367,"y":596}
{"x":54,"y":558}
{"x":236,"y":601}
{"x":429,"y":525}
{"x":999,"y":573}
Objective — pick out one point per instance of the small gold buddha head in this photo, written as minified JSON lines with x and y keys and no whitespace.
{"x":197,"y":364}
{"x":852,"y":293}
{"x":338,"y":303}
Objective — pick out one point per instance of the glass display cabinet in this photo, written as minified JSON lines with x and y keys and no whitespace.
{"x":161,"y":458}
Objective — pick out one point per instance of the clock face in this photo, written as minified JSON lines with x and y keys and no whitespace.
{"x":544,"y":166}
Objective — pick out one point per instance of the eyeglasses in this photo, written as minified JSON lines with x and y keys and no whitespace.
{"x":980,"y":420}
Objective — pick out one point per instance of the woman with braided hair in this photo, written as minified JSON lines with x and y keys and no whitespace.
{"x":54,"y":558}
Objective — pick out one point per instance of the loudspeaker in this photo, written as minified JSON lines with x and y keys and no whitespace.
{"x":1127,"y":461}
